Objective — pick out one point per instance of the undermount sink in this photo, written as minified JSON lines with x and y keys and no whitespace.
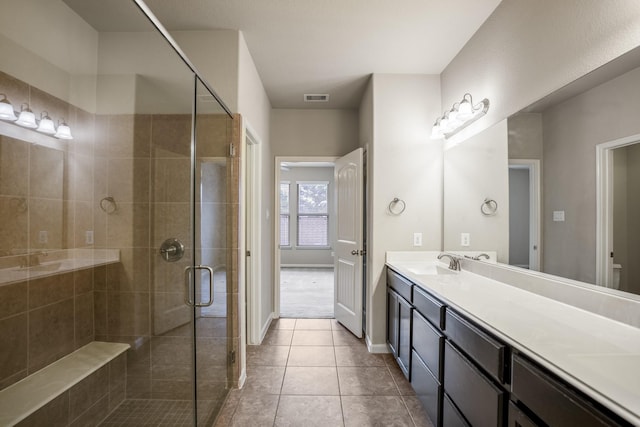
{"x":422,"y":270}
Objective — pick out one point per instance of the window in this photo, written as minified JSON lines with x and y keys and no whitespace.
{"x":284,"y":214}
{"x":313,"y":214}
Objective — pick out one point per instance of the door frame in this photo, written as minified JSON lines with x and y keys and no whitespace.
{"x":535,"y":209}
{"x":604,"y":206}
{"x":252,"y":233}
{"x":276,"y":221}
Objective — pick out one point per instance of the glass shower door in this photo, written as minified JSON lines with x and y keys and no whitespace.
{"x":212,"y":253}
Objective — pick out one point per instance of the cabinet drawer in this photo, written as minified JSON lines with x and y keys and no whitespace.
{"x":427,"y":343}
{"x":427,"y":388}
{"x":517,"y":418}
{"x":480,"y":401}
{"x":429,"y":307}
{"x":489,"y":353}
{"x":450,"y":415}
{"x":553,"y":402}
{"x":399,"y":284}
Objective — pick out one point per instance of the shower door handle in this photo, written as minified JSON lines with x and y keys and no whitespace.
{"x":190,"y":292}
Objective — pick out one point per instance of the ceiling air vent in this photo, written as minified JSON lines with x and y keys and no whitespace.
{"x":316,"y":97}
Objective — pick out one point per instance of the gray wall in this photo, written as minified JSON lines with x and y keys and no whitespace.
{"x":313,"y":132}
{"x":294,"y":256}
{"x":572,"y":130}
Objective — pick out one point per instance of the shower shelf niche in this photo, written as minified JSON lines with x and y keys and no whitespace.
{"x":55,"y":262}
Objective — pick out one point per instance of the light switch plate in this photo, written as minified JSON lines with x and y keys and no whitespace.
{"x":558,"y":216}
{"x":88,"y":237}
{"x":465,"y":239}
{"x":417,"y":239}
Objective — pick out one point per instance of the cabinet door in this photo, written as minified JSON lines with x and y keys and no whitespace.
{"x":551,"y":401}
{"x":404,"y":335}
{"x":428,"y":389}
{"x":427,"y":343}
{"x":479,"y":400}
{"x":393,"y":318}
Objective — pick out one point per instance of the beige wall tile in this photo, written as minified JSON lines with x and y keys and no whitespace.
{"x":13,"y":354}
{"x":13,"y":299}
{"x":51,"y":330}
{"x":128,"y":313}
{"x":50,"y":289}
{"x":88,"y":392}
{"x":172,"y":135}
{"x":84,"y":329}
{"x":54,"y":414}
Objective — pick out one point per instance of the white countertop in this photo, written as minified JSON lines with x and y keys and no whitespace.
{"x":597,"y":355}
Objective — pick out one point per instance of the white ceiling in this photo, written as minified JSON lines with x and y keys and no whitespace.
{"x":322,"y":46}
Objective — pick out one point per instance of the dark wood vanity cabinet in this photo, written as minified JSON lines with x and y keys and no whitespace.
{"x":465,"y":376}
{"x":549,"y":400}
{"x":399,"y":310}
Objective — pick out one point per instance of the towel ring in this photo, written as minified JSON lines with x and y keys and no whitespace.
{"x":108,"y":204}
{"x":397,"y":206}
{"x":489,"y":207}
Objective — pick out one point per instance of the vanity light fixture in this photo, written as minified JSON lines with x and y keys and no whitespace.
{"x":6,"y":109}
{"x":64,"y":131}
{"x":461,"y":115}
{"x":26,"y":119}
{"x":46,"y":124}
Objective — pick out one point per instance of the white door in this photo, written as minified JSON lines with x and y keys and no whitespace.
{"x":349,"y":250}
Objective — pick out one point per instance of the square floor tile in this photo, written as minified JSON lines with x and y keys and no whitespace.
{"x":264,"y":379}
{"x":319,"y":381}
{"x":256,"y":410}
{"x":310,"y":355}
{"x":267,"y":355}
{"x":361,"y":411}
{"x":346,"y":338}
{"x":417,"y":412}
{"x":404,"y":386}
{"x":278,"y":337}
{"x":312,"y":338}
{"x":366,"y":381}
{"x":283,"y":324}
{"x":320,"y":411}
{"x":357,"y":356}
{"x":313,"y":324}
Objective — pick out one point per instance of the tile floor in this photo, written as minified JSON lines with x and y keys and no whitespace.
{"x":313,"y":372}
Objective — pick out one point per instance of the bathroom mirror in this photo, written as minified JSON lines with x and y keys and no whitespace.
{"x":568,"y":208}
{"x":31,"y":197}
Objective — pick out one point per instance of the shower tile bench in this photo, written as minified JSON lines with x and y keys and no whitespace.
{"x":78,"y":389}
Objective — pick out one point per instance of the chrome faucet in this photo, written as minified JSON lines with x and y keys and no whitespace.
{"x":454,"y":263}
{"x":481,"y":256}
{"x":32,"y":259}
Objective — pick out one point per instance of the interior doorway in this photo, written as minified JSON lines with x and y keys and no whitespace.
{"x":524,"y":213}
{"x":618,"y":214}
{"x":306,"y":238}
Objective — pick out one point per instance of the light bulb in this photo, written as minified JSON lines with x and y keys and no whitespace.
{"x":6,"y":109}
{"x":63,"y":132}
{"x":465,"y":110}
{"x":27,"y":119}
{"x":46,"y":124}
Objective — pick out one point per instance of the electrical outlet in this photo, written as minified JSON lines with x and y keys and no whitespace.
{"x":88,"y":237}
{"x":417,"y":239}
{"x":558,"y":216}
{"x":43,"y":236}
{"x":465,"y":239}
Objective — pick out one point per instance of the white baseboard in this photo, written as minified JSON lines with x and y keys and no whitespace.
{"x":376,"y":348}
{"x":242,"y":379}
{"x":265,"y":327}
